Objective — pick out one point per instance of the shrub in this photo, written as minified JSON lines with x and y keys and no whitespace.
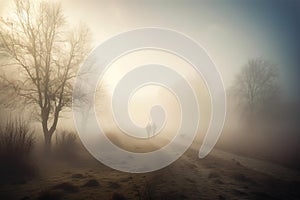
{"x":16,"y":145}
{"x":66,"y":144}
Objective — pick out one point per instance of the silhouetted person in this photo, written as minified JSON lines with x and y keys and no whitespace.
{"x":150,"y":128}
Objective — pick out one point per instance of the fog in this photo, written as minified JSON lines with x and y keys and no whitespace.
{"x":226,"y":34}
{"x":53,"y":122}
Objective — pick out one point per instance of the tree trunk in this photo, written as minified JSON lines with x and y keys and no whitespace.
{"x":47,"y":137}
{"x":49,"y":132}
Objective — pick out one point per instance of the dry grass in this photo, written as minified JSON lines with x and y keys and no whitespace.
{"x":66,"y":144}
{"x":16,"y":140}
{"x":16,"y":145}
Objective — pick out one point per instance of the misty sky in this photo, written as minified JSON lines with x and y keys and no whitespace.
{"x":232,"y":31}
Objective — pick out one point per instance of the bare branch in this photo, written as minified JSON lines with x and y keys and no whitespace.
{"x":39,"y":44}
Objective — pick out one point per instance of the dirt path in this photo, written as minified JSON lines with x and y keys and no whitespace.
{"x":220,"y":175}
{"x":225,"y":176}
{"x":266,"y":167}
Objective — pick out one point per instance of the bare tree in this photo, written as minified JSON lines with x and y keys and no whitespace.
{"x":257,"y":86}
{"x":46,"y":55}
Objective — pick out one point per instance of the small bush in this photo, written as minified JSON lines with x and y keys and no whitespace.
{"x":66,"y":144}
{"x":16,"y":140}
{"x":16,"y":145}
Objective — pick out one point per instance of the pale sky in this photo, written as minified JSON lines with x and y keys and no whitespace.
{"x":231,"y":31}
